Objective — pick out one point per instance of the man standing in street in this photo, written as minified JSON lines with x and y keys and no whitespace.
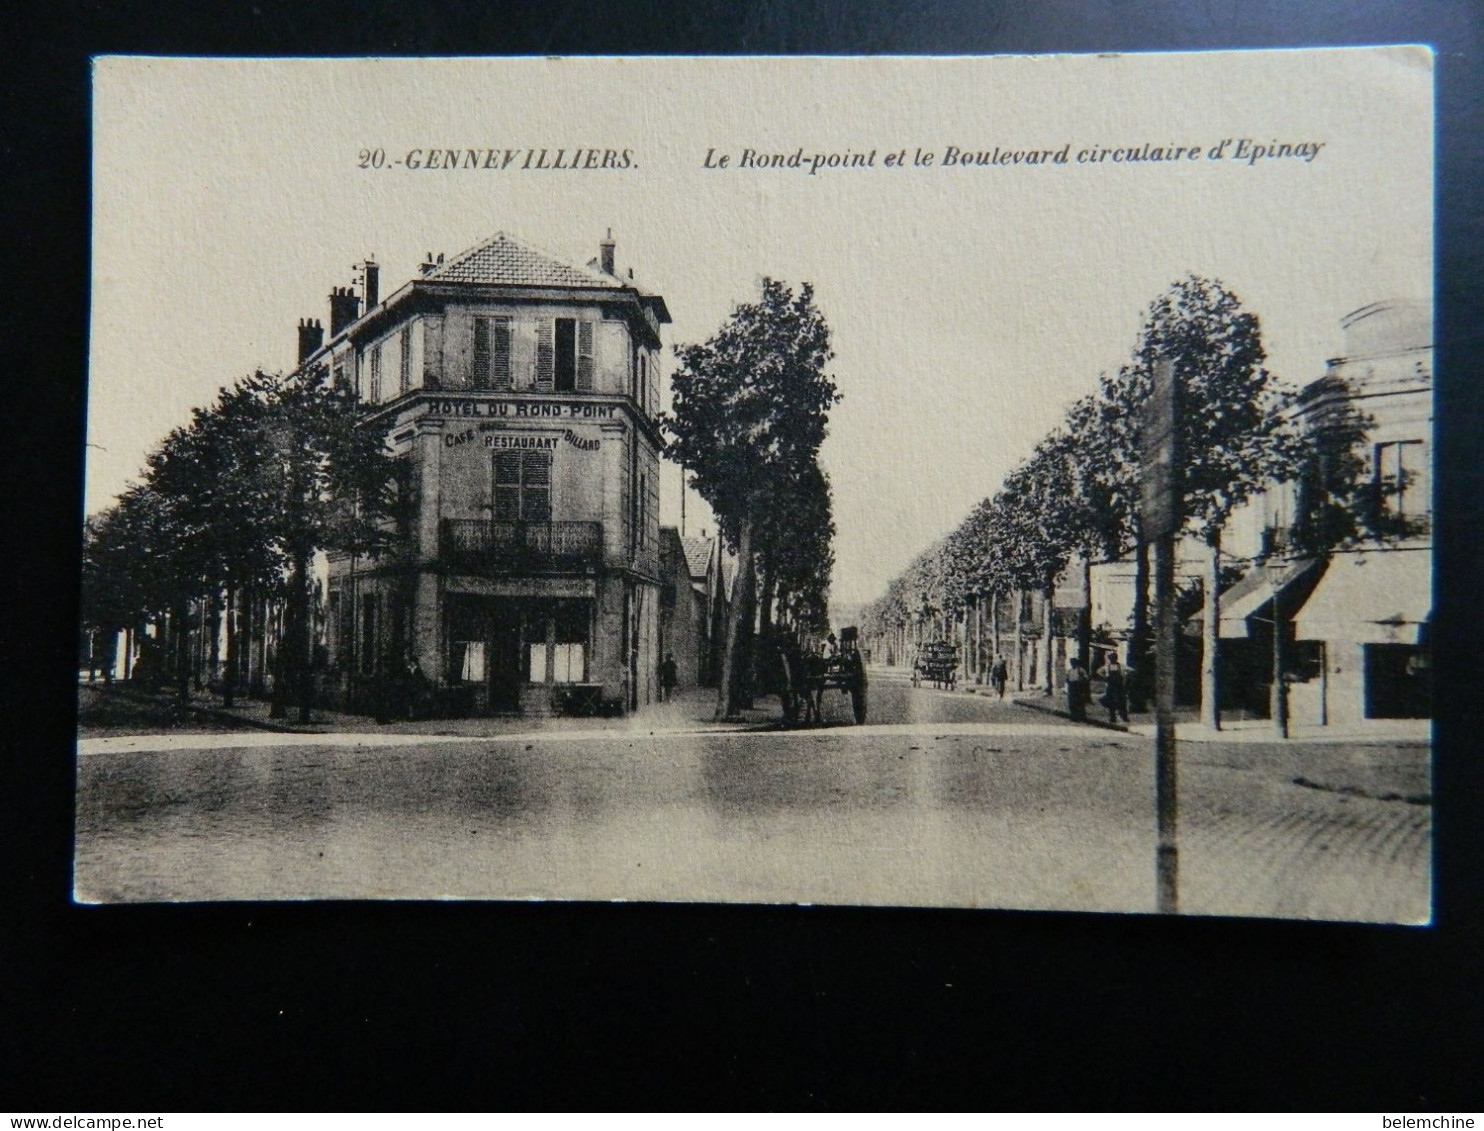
{"x":999,"y":675}
{"x":1115,"y":695}
{"x":1077,"y":690}
{"x":669,"y":677}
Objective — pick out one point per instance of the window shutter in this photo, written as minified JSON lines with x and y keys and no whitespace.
{"x":500,"y":372}
{"x":433,"y":353}
{"x":405,"y":382}
{"x":535,"y":502}
{"x":584,"y":357}
{"x":507,"y":486}
{"x":545,"y":356}
{"x":376,"y":374}
{"x":480,"y":377}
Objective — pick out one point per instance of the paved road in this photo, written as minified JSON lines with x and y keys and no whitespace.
{"x":948,"y":799}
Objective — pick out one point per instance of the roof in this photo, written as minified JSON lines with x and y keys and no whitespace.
{"x":504,"y":260}
{"x":1252,"y":596}
{"x":697,"y":555}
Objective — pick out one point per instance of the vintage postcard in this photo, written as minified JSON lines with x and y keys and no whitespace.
{"x":971,"y":482}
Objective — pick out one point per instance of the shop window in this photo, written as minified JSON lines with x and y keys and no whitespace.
{"x":567,"y":660}
{"x":522,"y":486}
{"x":468,"y":660}
{"x":491,"y":353}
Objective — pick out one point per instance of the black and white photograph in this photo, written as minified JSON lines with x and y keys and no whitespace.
{"x":974,"y":482}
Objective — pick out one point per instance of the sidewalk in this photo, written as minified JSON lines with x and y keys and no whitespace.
{"x":1188,"y":727}
{"x":691,"y":710}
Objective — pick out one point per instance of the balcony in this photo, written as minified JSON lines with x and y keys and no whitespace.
{"x":481,"y":546}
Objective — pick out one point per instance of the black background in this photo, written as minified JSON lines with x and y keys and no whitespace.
{"x":483,"y":1006}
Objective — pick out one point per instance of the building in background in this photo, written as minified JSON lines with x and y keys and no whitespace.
{"x":1355,"y":621}
{"x":522,"y":394}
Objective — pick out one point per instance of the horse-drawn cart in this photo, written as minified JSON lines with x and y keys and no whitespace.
{"x":937,"y":664}
{"x":809,"y":675}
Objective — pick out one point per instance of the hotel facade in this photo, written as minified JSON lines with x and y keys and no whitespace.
{"x":520,"y":394}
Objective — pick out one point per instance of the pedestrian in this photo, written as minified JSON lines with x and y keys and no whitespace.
{"x":999,"y":675}
{"x":669,"y":677}
{"x":1115,"y":693}
{"x":1077,"y":690}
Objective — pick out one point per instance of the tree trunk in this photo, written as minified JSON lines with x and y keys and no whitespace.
{"x":1141,"y":681}
{"x":994,"y":626}
{"x":1210,"y":638}
{"x":739,"y":620}
{"x":278,"y":703}
{"x":1084,"y":621}
{"x":1048,"y":622}
{"x":298,"y":613}
{"x":179,"y":619}
{"x":1019,"y":640}
{"x":229,"y":669}
{"x":214,"y":645}
{"x":769,"y":591}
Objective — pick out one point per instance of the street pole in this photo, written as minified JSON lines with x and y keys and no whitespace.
{"x":1280,"y":697}
{"x":1160,"y":522}
{"x":1167,"y":858}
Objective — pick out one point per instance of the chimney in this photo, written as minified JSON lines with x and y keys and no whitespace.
{"x":605,"y":253}
{"x":371,"y":283}
{"x":311,"y":337}
{"x":429,"y":265}
{"x":345,"y":306}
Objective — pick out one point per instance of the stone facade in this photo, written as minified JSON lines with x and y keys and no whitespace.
{"x":521,"y":394}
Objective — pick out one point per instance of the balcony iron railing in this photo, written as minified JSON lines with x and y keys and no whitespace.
{"x":478,"y":545}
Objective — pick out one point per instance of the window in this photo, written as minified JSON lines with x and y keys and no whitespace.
{"x":1401,"y":479}
{"x":522,"y":486}
{"x":566,"y":661}
{"x":468,"y":660}
{"x":375,"y":396}
{"x":641,"y":513}
{"x":405,"y":361}
{"x":572,"y":363}
{"x":491,"y":353}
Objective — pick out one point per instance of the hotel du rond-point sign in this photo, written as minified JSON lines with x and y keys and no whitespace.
{"x":493,"y":413}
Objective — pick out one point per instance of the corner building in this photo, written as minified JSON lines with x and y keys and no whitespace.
{"x":521,"y":394}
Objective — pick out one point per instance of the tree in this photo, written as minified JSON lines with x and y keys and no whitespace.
{"x":795,"y":554}
{"x":750,"y":410}
{"x":330,"y":484}
{"x":1232,"y":434}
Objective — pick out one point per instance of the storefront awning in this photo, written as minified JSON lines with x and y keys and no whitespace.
{"x":1378,"y":597}
{"x":1253,"y":595}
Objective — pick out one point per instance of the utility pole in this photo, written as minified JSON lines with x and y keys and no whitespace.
{"x":1280,"y":690}
{"x":1160,"y":521}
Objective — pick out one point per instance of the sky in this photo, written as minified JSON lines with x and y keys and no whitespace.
{"x":969,"y":305}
